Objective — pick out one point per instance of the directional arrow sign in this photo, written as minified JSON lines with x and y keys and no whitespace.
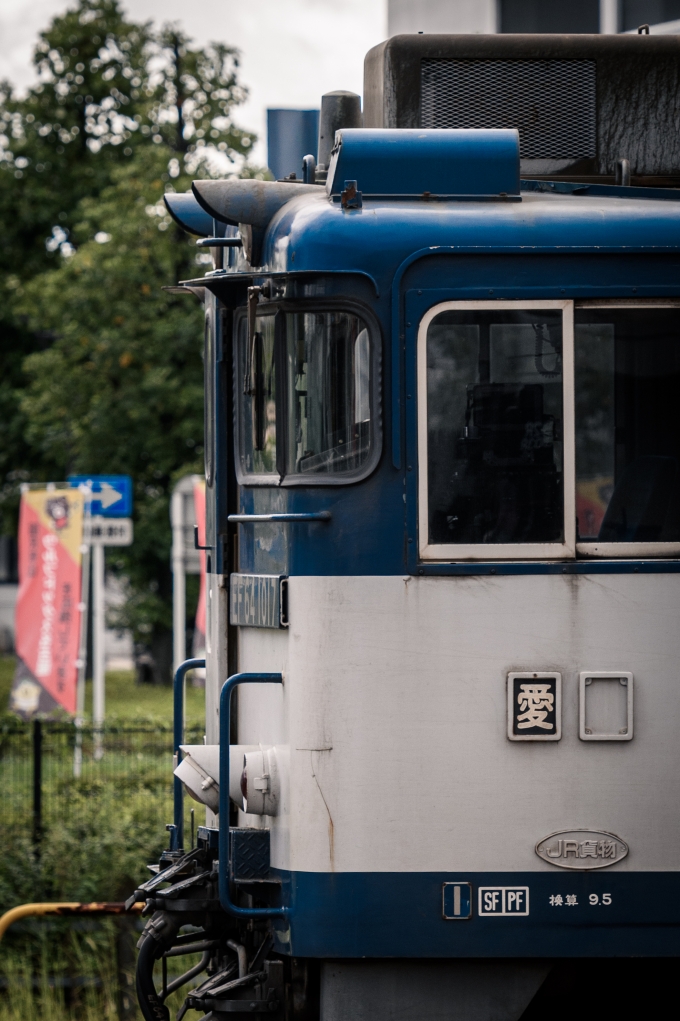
{"x":108,"y":496}
{"x":111,"y":494}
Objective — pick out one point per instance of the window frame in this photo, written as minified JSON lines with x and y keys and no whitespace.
{"x":625,"y":550}
{"x":275,"y":479}
{"x":210,"y":404}
{"x":500,"y":551}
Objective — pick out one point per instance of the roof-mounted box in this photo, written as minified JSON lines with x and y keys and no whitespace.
{"x":426,"y":164}
{"x":580,"y":102}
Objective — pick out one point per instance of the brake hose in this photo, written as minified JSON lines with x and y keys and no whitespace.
{"x":155,"y":940}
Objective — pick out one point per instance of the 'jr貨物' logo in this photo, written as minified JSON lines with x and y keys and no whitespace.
{"x":582,"y":849}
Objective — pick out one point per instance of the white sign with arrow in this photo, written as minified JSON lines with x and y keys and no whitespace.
{"x":109,"y":523}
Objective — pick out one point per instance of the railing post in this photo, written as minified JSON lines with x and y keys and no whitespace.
{"x":225,"y":737}
{"x":37,"y":783}
{"x":177,"y":834}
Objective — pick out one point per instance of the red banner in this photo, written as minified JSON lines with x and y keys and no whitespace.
{"x":47,"y":614}
{"x":199,"y":625}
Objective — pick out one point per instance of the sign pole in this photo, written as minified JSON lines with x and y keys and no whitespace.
{"x":37,"y":783}
{"x":98,"y":652}
{"x":108,"y":523}
{"x":179,"y":651}
{"x":82,"y":661}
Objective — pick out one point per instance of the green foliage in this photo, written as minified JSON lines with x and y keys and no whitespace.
{"x":99,"y":854}
{"x":61,"y":951}
{"x":95,"y":847}
{"x":121,"y":387}
{"x":7,"y":666}
{"x":106,"y":87}
{"x":100,"y":831}
{"x":62,"y":139}
{"x":198,"y":88}
{"x":100,"y":370}
{"x":102,"y":953}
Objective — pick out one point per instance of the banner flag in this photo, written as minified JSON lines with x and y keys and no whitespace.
{"x":199,"y":625}
{"x":48,"y":616}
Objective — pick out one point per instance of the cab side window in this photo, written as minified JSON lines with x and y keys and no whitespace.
{"x":495,"y":427}
{"x":257,"y":397}
{"x":548,"y":429}
{"x":328,"y":392}
{"x":306,"y":396}
{"x":627,"y":381}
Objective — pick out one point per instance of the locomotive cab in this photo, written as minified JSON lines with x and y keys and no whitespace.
{"x":443,"y":531}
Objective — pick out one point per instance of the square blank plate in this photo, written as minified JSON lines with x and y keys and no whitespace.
{"x":605,"y":705}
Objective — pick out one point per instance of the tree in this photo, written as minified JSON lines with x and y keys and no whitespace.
{"x":121,"y":387}
{"x":105,"y":86}
{"x":62,"y":139}
{"x":87,"y":64}
{"x":114,"y":381}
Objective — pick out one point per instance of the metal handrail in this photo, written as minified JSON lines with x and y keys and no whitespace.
{"x":220,"y":243}
{"x":225,"y":730}
{"x":177,"y":833}
{"x":311,"y":516}
{"x":67,"y":908}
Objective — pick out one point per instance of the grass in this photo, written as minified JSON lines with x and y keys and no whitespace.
{"x":152,"y":703}
{"x":70,"y":969}
{"x":101,"y":830}
{"x":32,"y":992}
{"x":126,"y":702}
{"x":7,"y":664}
{"x":33,"y":989}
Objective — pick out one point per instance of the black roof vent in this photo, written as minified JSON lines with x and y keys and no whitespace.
{"x":579,"y":102}
{"x":551,"y":102}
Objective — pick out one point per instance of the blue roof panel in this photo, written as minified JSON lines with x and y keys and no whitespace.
{"x":405,"y":161}
{"x":315,"y":233}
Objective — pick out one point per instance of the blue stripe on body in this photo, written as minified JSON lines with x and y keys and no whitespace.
{"x":395,"y":914}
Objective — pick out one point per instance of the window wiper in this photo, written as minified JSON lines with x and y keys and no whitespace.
{"x":250,"y":383}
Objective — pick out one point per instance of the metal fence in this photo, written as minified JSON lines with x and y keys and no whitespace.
{"x":52,"y":774}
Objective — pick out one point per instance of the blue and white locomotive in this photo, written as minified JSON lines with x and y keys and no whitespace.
{"x":443,"y":533}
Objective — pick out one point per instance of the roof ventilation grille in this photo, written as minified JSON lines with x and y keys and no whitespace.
{"x":551,"y":102}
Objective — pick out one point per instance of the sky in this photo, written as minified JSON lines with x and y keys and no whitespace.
{"x":292,"y":51}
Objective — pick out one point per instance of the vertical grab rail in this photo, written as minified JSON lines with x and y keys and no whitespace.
{"x":177,"y":838}
{"x":225,"y":730}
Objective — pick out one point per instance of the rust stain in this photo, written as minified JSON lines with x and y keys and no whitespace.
{"x":101,"y":908}
{"x":331,"y":828}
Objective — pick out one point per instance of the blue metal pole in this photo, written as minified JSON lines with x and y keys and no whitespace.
{"x":225,"y":729}
{"x":177,"y":740}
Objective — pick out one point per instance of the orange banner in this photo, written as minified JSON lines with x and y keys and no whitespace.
{"x":199,"y":625}
{"x":48,"y":617}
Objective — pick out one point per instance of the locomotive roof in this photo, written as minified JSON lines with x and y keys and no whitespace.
{"x":313,"y":233}
{"x":426,"y":192}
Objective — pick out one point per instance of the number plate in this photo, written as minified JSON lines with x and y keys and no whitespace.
{"x":258,"y":600}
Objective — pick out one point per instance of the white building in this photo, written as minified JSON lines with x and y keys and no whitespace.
{"x":454,"y":16}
